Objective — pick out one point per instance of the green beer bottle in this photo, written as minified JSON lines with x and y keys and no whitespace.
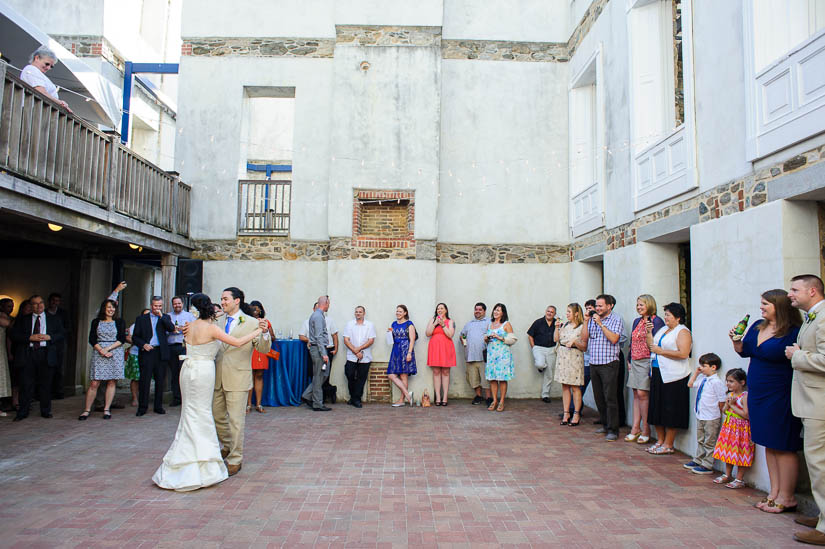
{"x":739,"y":330}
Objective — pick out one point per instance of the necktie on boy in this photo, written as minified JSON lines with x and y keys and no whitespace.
{"x":699,"y":394}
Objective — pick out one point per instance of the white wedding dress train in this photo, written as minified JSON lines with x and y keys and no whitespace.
{"x":194,"y":459}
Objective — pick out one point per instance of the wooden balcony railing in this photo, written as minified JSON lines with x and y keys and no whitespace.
{"x":263,"y":206}
{"x":45,"y":144}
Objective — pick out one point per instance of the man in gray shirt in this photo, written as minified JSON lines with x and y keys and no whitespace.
{"x":318,"y":337}
{"x":472,"y":336}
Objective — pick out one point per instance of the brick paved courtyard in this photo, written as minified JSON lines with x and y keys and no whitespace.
{"x":458,"y":476}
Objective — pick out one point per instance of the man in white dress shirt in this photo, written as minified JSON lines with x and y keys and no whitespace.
{"x":359,"y":335}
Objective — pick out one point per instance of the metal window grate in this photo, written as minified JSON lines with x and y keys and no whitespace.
{"x":263,"y":207}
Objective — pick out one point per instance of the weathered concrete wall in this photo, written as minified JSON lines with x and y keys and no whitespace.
{"x":734,"y":259}
{"x":719,"y":49}
{"x":209,"y":156}
{"x":488,"y":168}
{"x":520,"y":20}
{"x":385,"y":129}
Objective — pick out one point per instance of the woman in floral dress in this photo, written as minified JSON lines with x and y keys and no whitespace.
{"x":570,"y":362}
{"x":500,"y":364}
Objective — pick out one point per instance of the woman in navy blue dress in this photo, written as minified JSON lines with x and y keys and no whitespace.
{"x":769,"y":396}
{"x":402,"y":357}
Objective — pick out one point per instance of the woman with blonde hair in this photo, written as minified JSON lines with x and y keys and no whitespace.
{"x":570,"y":362}
{"x":638,"y":367}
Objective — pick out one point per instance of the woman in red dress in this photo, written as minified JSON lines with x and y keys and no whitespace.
{"x":260,"y":362}
{"x":441,"y":351}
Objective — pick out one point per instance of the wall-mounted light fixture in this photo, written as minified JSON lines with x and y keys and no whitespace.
{"x":55,"y":228}
{"x":365,"y":66}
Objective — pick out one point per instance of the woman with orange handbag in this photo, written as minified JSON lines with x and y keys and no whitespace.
{"x":260,"y":362}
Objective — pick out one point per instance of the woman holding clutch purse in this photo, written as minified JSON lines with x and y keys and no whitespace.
{"x":500,"y":363}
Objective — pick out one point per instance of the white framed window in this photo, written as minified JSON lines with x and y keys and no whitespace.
{"x":586,"y":146}
{"x":784,"y":73}
{"x":652,"y":71}
{"x":662,"y":120}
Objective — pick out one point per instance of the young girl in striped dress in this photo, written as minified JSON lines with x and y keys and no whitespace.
{"x":734,"y":445}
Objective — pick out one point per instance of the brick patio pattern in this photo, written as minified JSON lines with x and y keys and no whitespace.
{"x":377,"y":477}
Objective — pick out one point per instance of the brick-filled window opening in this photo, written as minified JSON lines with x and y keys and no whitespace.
{"x":383,"y":219}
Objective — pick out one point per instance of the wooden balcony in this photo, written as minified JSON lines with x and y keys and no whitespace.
{"x":43,"y":144}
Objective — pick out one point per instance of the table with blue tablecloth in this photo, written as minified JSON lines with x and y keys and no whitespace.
{"x":287,"y":377}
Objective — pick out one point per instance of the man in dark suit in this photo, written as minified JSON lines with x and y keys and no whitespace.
{"x":150,"y":336}
{"x":38,"y":336}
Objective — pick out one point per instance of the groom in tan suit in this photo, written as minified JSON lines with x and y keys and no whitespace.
{"x":233,"y":377}
{"x":808,"y":393}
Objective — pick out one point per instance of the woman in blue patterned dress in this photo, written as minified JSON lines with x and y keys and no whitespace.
{"x":499,"y":357}
{"x":402,"y":358}
{"x":106,"y":334}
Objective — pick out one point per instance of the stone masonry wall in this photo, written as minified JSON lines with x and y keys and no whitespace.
{"x":726,"y":199}
{"x":259,"y":47}
{"x":91,"y":46}
{"x":373,"y":35}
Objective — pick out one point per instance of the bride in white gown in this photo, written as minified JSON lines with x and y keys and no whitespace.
{"x":194,"y":459}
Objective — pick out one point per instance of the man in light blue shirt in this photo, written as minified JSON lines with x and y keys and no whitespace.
{"x":472,"y":336}
{"x":177,"y":348}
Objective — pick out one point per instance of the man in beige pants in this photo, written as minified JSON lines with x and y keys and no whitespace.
{"x":808,"y":393}
{"x":233,"y":377}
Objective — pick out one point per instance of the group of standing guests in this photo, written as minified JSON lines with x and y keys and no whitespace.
{"x":486,"y":342}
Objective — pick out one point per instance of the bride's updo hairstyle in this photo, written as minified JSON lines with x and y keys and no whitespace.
{"x":202,"y":303}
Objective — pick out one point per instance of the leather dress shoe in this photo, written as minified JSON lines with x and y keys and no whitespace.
{"x":810,"y":522}
{"x":160,"y":411}
{"x":140,"y":413}
{"x":19,"y":418}
{"x":224,"y":453}
{"x":322,"y":409}
{"x":46,"y":416}
{"x":357,"y":404}
{"x":813,"y":537}
{"x":233,"y":469}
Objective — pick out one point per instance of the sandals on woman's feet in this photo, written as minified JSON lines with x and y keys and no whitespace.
{"x":772,"y":506}
{"x":248,"y":409}
{"x":107,"y":414}
{"x":724,"y":479}
{"x":260,"y":409}
{"x":643,"y":439}
{"x":662,"y":451}
{"x":761,"y":503}
{"x":500,"y":407}
{"x":653,"y":448}
{"x":492,"y":406}
{"x":571,"y":424}
{"x":565,"y":419}
{"x":85,"y":415}
{"x":735,"y":483}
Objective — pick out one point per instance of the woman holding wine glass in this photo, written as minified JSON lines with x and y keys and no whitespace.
{"x":441,"y":351}
{"x":500,"y":365}
{"x":638,"y":367}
